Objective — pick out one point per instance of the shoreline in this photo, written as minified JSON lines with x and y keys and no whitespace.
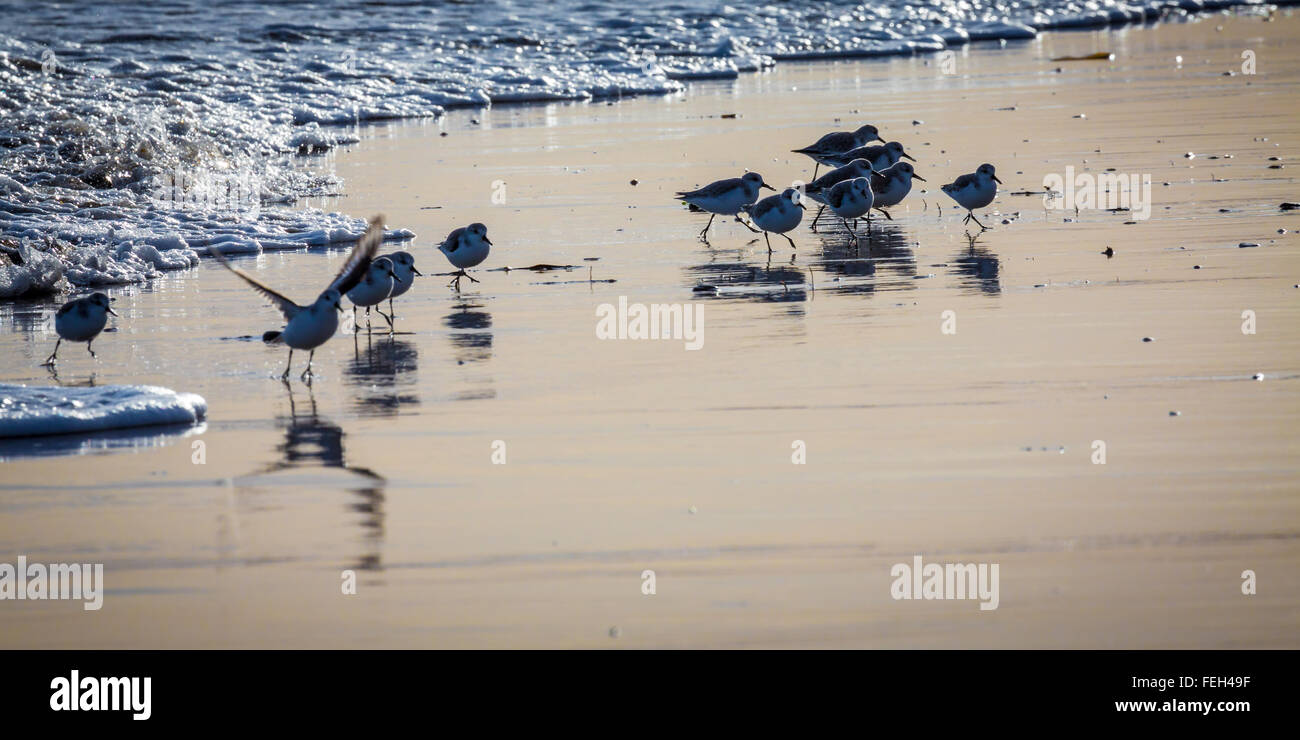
{"x":43,"y":288}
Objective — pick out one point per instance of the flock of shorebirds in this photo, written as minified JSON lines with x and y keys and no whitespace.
{"x":865,"y":178}
{"x":365,"y":279}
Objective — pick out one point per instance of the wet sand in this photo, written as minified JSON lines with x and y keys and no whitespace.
{"x":625,"y":456}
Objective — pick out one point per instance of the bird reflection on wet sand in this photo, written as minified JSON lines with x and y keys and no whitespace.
{"x":369,"y":503}
{"x":471,"y":343}
{"x":312,"y":441}
{"x":472,"y":339}
{"x":70,"y":382}
{"x":739,"y":280}
{"x":886,"y":257}
{"x":883,"y":260}
{"x":382,"y":370}
{"x":977,"y":269}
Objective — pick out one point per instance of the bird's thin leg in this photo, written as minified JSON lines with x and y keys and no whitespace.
{"x":787,"y":238}
{"x":387,"y":318}
{"x":816,"y":164}
{"x":391,"y":313}
{"x":471,"y":277}
{"x":977,"y":221}
{"x":742,"y":222}
{"x":891,"y":218}
{"x":850,"y":230}
{"x":49,"y":361}
{"x":307,"y":373}
{"x":769,"y":242}
{"x":356,"y":328}
{"x":288,"y":365}
{"x":705,"y":234}
{"x":819,"y":215}
{"x":91,"y":351}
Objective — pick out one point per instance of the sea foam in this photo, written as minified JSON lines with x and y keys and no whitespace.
{"x":30,"y":411}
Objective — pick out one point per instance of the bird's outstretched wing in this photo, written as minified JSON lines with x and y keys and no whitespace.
{"x":354,"y":269}
{"x":287,"y":308}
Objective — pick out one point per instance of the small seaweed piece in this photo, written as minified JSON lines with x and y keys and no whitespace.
{"x":1086,"y":57}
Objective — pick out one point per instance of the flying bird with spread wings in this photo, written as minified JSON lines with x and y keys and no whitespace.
{"x":308,"y":327}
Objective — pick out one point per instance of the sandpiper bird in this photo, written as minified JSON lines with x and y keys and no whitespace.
{"x":726,"y":198}
{"x":838,"y":142}
{"x":465,"y":247}
{"x":778,"y":214}
{"x":881,"y":156}
{"x":81,"y":320}
{"x":404,"y":267}
{"x":975,"y":190}
{"x":308,"y":327}
{"x":851,"y":199}
{"x":817,"y":189}
{"x":892,"y":185}
{"x":374,"y":289}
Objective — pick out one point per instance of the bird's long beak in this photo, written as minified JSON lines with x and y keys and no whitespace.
{"x":394,"y":276}
{"x":918,"y":177}
{"x":995,"y":179}
{"x":769,"y":187}
{"x":417,"y":272}
{"x":879,"y":138}
{"x":338,"y":307}
{"x":112,"y":312}
{"x":801,"y":205}
{"x":487,"y":241}
{"x":908,"y":156}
